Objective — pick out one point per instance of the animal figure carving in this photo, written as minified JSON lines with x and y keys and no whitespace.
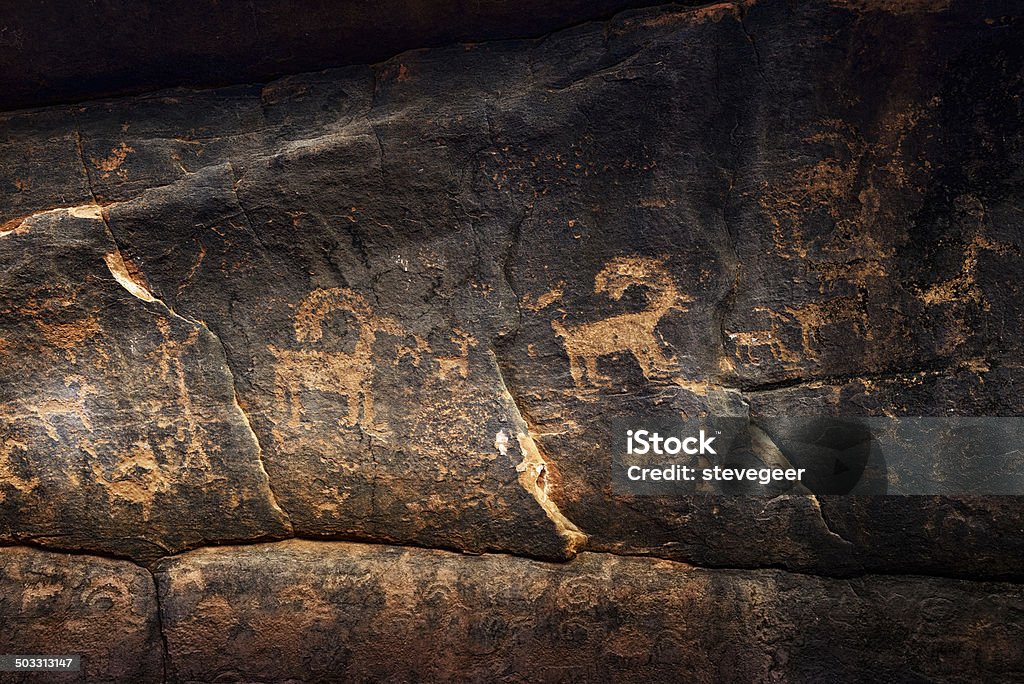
{"x":347,"y":374}
{"x":814,"y":317}
{"x":811,"y":319}
{"x":771,"y":338}
{"x":633,"y":332}
{"x":749,"y":340}
{"x":457,"y":365}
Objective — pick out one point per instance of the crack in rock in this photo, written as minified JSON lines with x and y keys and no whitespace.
{"x":118,"y":269}
{"x":824,"y":523}
{"x":533,"y":478}
{"x":533,"y":472}
{"x":134,"y":283}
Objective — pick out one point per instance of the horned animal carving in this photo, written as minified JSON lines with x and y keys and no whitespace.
{"x":347,"y":374}
{"x":634,"y":332}
{"x":810,"y":319}
{"x":748,"y":342}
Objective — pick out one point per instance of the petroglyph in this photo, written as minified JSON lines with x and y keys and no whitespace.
{"x":168,"y":358}
{"x":830,"y":214}
{"x":137,"y":478}
{"x":812,"y":318}
{"x":348,"y":374}
{"x":633,"y":333}
{"x":749,"y":341}
{"x":547,"y":299}
{"x":457,"y":365}
{"x":113,"y":162}
{"x":963,"y":287}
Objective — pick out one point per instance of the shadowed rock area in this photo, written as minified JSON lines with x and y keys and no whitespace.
{"x":64,"y":53}
{"x":409,"y":303}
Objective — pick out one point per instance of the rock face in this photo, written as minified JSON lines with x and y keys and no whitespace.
{"x":103,"y":610}
{"x":63,"y":54}
{"x":297,"y":610}
{"x":407,"y":303}
{"x":120,"y":429}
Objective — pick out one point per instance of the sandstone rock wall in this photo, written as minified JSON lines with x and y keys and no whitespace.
{"x":379,"y":308}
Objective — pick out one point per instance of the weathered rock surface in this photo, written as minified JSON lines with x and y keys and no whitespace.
{"x":120,"y":431}
{"x":68,"y":53}
{"x":100,"y":609}
{"x":377,"y":425}
{"x":302,"y":611}
{"x":437,"y":281}
{"x":407,"y":303}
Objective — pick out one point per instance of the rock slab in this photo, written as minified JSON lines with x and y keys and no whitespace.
{"x":302,"y":611}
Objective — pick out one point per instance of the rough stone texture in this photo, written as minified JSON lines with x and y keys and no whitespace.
{"x":64,"y":53}
{"x":408,"y":263}
{"x":302,"y":611}
{"x":405,"y":303}
{"x":101,"y":609}
{"x":119,"y":427}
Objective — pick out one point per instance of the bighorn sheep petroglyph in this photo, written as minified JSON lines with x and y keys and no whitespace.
{"x":346,"y":374}
{"x":633,"y":332}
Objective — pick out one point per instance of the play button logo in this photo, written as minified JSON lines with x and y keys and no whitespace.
{"x":840,"y":456}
